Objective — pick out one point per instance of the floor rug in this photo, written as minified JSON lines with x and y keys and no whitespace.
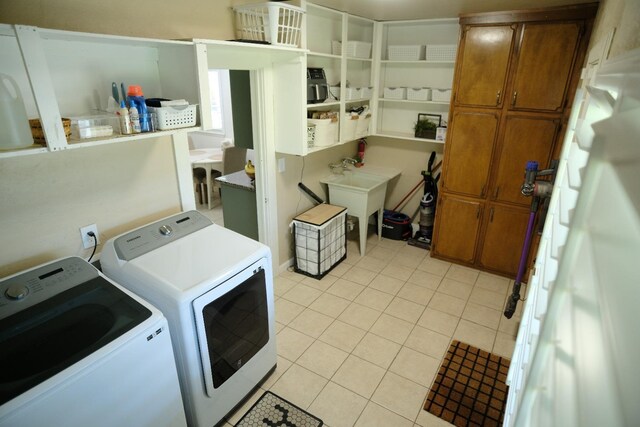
{"x":470,"y":388}
{"x":271,"y":410}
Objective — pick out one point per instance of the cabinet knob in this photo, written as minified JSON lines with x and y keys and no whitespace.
{"x":498,"y":95}
{"x":515,"y":97}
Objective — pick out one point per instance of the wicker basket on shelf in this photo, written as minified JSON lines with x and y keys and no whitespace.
{"x":38,"y":133}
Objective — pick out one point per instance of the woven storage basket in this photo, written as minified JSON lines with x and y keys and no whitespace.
{"x":38,"y":133}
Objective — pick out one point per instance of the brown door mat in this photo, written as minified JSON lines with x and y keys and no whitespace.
{"x":470,"y":388}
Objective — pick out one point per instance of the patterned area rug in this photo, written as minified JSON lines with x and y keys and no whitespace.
{"x":271,"y":410}
{"x":470,"y":388}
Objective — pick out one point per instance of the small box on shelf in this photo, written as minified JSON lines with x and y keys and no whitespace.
{"x":440,"y":95}
{"x":395,"y":92}
{"x":419,"y":93}
{"x":405,"y":53}
{"x":441,"y":52}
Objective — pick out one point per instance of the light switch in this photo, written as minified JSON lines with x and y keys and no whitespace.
{"x":281,"y":166}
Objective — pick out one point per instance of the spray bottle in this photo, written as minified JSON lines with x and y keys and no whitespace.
{"x":125,"y":119}
{"x":134,"y":116}
{"x":135,"y":95}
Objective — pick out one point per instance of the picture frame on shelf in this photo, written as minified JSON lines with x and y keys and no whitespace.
{"x":426,"y":125}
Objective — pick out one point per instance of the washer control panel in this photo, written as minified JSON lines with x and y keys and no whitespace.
{"x":34,"y":286}
{"x":150,"y":237}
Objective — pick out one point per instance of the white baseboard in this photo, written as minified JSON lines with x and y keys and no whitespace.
{"x":285,"y":266}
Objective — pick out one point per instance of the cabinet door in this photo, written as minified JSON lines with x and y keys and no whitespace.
{"x":484,"y":63}
{"x":545,"y":59}
{"x":524,"y":139}
{"x":503,"y":239}
{"x":456,"y":228}
{"x":468,"y":152}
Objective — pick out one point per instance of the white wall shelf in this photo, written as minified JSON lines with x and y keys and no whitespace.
{"x":410,"y":101}
{"x":418,"y":62}
{"x":405,"y":136}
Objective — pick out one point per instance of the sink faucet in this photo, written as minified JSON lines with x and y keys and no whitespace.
{"x":343,"y":165}
{"x":348,"y":161}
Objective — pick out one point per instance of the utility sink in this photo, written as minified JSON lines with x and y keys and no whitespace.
{"x":362,"y":194}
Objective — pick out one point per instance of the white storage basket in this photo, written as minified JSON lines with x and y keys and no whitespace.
{"x":406,"y":53}
{"x":418,"y":93}
{"x":354,"y":93}
{"x":326,"y":133}
{"x":441,"y":95}
{"x":362,"y":129}
{"x":395,"y":92}
{"x":276,"y":23}
{"x":174,"y":117}
{"x":355,"y":49}
{"x":441,"y":52}
{"x":350,"y":126}
{"x":311,"y":135}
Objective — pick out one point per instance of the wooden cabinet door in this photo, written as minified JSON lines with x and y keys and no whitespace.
{"x":525,"y":138}
{"x":484,"y":63}
{"x":545,"y":59}
{"x":503,"y":238}
{"x":456,"y":228}
{"x":468,"y":152}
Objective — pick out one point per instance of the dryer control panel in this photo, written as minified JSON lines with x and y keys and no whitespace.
{"x":146,"y":239}
{"x":34,"y":286}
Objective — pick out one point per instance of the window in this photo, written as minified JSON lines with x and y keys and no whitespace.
{"x":220,"y":98}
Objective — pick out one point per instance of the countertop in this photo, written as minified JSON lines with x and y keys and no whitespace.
{"x":239,"y":180}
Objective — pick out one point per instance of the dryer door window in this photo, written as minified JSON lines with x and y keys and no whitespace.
{"x":234,"y":325}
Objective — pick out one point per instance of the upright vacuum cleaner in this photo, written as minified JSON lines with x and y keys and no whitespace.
{"x":422,"y":238}
{"x":541,"y":192}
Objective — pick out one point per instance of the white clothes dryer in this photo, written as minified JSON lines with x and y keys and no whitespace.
{"x":78,"y":350}
{"x":216,"y":289}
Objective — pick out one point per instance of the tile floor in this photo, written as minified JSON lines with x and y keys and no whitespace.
{"x":362,"y":346}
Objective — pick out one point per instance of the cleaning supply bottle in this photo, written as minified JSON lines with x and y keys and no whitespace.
{"x":134,"y":117}
{"x":15,"y":131}
{"x":125,"y":119}
{"x":134,"y":93}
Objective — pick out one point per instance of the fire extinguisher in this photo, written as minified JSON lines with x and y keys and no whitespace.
{"x":361,"y":145}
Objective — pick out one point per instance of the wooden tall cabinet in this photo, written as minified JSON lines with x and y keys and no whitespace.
{"x":516,"y":72}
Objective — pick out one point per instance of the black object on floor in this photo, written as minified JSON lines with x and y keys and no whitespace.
{"x":273,"y":411}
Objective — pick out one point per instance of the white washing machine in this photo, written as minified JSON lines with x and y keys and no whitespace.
{"x":78,"y":350}
{"x":216,"y":289}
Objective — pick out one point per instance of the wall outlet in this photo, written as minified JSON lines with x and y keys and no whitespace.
{"x":87,"y":241}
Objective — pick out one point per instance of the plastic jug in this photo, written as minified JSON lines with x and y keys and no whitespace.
{"x":14,"y":125}
{"x":135,"y":94}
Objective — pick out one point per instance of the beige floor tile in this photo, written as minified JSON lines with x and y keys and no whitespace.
{"x":286,"y":311}
{"x":279,"y":327}
{"x":400,"y":395}
{"x":345,"y":289}
{"x":416,"y":293}
{"x":342,"y":336}
{"x":493,"y":283}
{"x":424,"y":279}
{"x":375,"y":415}
{"x":281,"y":367}
{"x":370,"y":263}
{"x":405,"y":309}
{"x":359,"y":376}
{"x":382,"y":254}
{"x":282,"y":285}
{"x":238,"y":413}
{"x":386,"y":284}
{"x":398,"y":272}
{"x":427,"y":419}
{"x":439,"y":321}
{"x":462,"y":274}
{"x":509,"y":326}
{"x":408,"y":260}
{"x":291,"y":343}
{"x":413,"y":251}
{"x":453,"y":288}
{"x":428,"y":342}
{"x":337,"y":406}
{"x":475,"y":335}
{"x":330,"y":305}
{"x":482,"y":315}
{"x":359,"y":275}
{"x":299,"y":386}
{"x":392,"y":328}
{"x":392,"y":244}
{"x":377,"y":350}
{"x":302,"y":294}
{"x":504,"y":345}
{"x":447,"y":304}
{"x":415,"y":366}
{"x":311,"y":323}
{"x":322,"y":359}
{"x":339,"y":270}
{"x":292,"y":275}
{"x":322,"y":284}
{"x":374,"y":298}
{"x":434,"y":266}
{"x":487,"y":298}
{"x":360,"y":316}
{"x":353,"y":253}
